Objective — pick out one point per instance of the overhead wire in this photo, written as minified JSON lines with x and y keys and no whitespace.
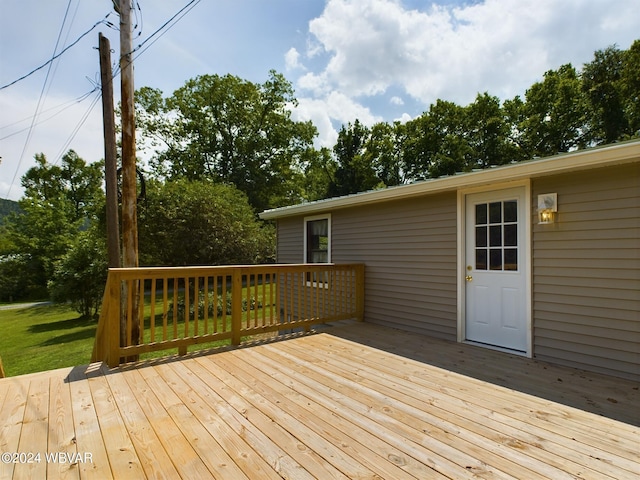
{"x":60,"y":108}
{"x":62,"y":52}
{"x":163,"y":29}
{"x":40,"y":98}
{"x":75,"y":131}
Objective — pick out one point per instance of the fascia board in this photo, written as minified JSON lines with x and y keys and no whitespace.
{"x":580,"y":160}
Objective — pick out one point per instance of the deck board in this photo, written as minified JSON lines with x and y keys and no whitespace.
{"x":352,"y":401}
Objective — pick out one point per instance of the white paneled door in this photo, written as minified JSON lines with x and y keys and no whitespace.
{"x":496,"y":276}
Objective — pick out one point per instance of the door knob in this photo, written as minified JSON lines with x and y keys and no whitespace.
{"x":468,"y":278}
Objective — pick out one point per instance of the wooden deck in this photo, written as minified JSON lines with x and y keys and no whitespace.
{"x":355,"y":401}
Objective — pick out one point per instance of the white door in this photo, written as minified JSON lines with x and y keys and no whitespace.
{"x":496,"y":269}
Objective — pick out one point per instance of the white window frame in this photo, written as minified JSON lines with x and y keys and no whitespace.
{"x":326,"y":216}
{"x":309,"y":281}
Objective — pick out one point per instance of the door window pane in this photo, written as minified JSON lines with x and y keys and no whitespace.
{"x":495,"y":259}
{"x":481,"y":259}
{"x":495,"y":212}
{"x":511,"y":235}
{"x":496,"y":236}
{"x":510,"y":211}
{"x":481,"y":236}
{"x":481,"y":214}
{"x":511,"y":259}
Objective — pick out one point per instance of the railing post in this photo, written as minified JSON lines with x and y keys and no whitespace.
{"x":236,"y":306}
{"x":113,"y":319}
{"x":359,"y":292}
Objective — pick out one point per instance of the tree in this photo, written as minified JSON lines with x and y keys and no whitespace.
{"x":198,"y":222}
{"x":487,"y":132}
{"x":384,"y":151}
{"x":319,"y":170}
{"x":81,"y":273}
{"x":601,"y":83}
{"x":630,"y":87}
{"x":354,"y":172}
{"x":556,"y":114}
{"x":59,"y":201}
{"x":228,"y":130}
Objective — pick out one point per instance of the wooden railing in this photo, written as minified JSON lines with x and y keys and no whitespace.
{"x":163,"y":308}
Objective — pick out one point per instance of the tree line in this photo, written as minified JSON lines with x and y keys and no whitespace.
{"x":221,"y":149}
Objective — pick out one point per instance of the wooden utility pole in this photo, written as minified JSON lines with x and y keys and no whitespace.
{"x":110,"y":166}
{"x":129,"y":193}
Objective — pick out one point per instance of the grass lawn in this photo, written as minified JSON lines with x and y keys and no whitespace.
{"x":44,"y":337}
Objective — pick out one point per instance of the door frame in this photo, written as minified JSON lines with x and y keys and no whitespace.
{"x":461,"y":260}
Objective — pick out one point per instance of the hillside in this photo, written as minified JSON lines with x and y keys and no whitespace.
{"x":7,"y":207}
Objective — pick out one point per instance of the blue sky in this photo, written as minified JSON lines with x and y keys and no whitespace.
{"x":375,"y":60}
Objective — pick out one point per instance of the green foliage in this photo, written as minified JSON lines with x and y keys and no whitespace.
{"x":221,"y":303}
{"x":228,"y":130}
{"x":59,"y":201}
{"x":7,"y":208}
{"x":201,"y":223}
{"x":354,"y":171}
{"x":20,"y":278}
{"x":44,"y":337}
{"x":81,"y":274}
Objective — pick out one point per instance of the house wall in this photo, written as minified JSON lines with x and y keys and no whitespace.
{"x":585,"y":266}
{"x":409,"y":249}
{"x":586,"y":271}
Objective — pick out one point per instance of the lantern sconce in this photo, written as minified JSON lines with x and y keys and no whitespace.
{"x":547,"y":207}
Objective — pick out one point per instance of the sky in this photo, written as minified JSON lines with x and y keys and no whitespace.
{"x":372,"y":60}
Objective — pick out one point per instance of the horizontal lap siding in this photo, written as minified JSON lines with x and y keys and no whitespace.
{"x":409,"y":249}
{"x":290,"y":246}
{"x":586,"y":272}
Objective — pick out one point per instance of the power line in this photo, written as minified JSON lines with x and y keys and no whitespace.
{"x":60,"y":108}
{"x":77,"y":128}
{"x":189,"y":5}
{"x":42,"y":95}
{"x":62,"y":52}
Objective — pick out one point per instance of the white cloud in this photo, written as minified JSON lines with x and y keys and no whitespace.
{"x":292,"y":60}
{"x":500,"y":46}
{"x":396,"y":101}
{"x":325,"y":113}
{"x":404,"y":118}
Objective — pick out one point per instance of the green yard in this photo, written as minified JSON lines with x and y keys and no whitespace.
{"x":44,"y":337}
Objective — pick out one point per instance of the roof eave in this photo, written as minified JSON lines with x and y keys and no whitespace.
{"x":580,"y":160}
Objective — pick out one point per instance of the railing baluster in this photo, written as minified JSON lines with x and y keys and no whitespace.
{"x":289,"y":296}
{"x":140,"y":291}
{"x":176,"y":287}
{"x":206,"y":304}
{"x":152,"y":311}
{"x":196,"y":305}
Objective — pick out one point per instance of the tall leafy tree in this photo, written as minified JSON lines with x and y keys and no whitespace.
{"x":384,"y":150}
{"x":630,"y":87}
{"x":59,"y":201}
{"x":354,"y":171}
{"x":601,"y":82}
{"x":556,"y":114}
{"x":229,"y":130}
{"x":488,"y":132}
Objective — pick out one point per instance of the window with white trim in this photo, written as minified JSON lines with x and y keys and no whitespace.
{"x":317,"y":239}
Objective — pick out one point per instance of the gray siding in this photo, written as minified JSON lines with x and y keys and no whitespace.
{"x":586,"y":272}
{"x":409,"y":249}
{"x":290,"y":246}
